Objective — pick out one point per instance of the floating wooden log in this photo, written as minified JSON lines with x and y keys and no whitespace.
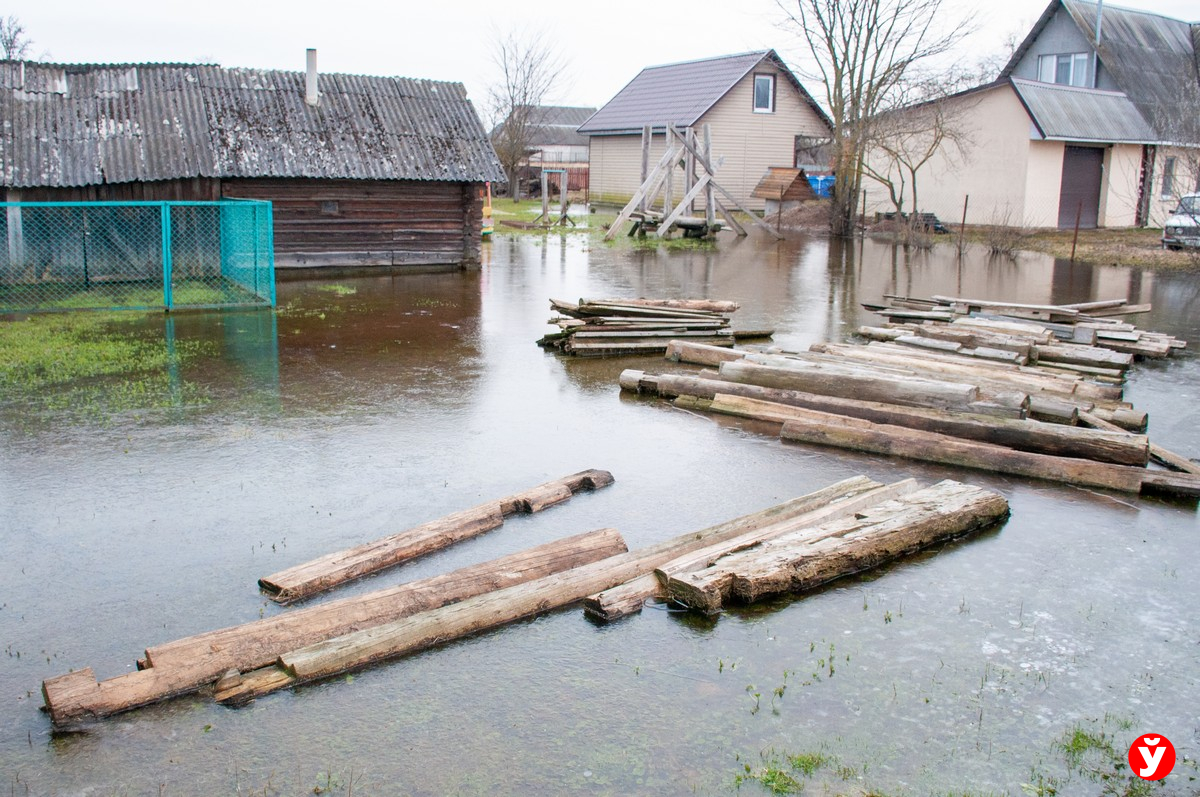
{"x":813,"y":556}
{"x":704,"y":305}
{"x":914,"y":392}
{"x":1118,"y":447}
{"x":841,"y":500}
{"x":472,"y":615}
{"x":186,"y":665}
{"x":1159,"y":454}
{"x":331,"y":570}
{"x":686,"y":351}
{"x":861,"y":435}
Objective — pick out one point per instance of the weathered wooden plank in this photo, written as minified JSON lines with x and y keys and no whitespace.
{"x":1046,"y":438}
{"x":187,"y":664}
{"x":331,"y":570}
{"x":700,"y":354}
{"x":493,"y":609}
{"x":1159,"y":454}
{"x":836,"y":501}
{"x":933,"y":447}
{"x":704,"y":305}
{"x":898,"y":390}
{"x":813,"y":556}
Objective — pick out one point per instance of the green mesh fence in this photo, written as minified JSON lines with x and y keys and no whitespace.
{"x":135,"y":255}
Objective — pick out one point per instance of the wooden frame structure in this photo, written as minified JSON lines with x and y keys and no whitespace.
{"x":681,"y":147}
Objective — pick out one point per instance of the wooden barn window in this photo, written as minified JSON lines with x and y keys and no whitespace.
{"x":330,"y":208}
{"x":764,"y":93}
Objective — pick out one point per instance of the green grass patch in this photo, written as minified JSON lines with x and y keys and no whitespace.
{"x":95,"y":363}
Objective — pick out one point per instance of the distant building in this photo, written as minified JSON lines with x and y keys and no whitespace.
{"x":556,"y":144}
{"x":1106,"y":133}
{"x":371,"y":172}
{"x":759,"y":113}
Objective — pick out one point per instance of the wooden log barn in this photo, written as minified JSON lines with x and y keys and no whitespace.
{"x":364,"y":172}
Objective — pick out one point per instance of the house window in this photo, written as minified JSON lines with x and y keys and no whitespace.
{"x":764,"y":93}
{"x":329,"y":208}
{"x":1066,"y":69}
{"x":1168,"y":183}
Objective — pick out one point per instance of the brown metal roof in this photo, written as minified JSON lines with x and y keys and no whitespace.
{"x":785,"y":184}
{"x":681,"y":93}
{"x":83,"y":124}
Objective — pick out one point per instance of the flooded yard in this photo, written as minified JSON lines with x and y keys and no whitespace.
{"x":365,"y":406}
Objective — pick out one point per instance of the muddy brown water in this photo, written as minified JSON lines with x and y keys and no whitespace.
{"x":354,"y":413}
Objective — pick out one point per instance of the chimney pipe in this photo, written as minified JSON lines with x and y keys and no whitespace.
{"x":311,"y":96}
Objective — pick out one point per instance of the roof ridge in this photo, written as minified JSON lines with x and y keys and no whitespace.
{"x":94,"y":66}
{"x":759,"y":53}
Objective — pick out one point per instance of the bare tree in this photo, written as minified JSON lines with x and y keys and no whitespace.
{"x":530,"y":69}
{"x":862,"y":50}
{"x":13,"y":40}
{"x":931,"y":123}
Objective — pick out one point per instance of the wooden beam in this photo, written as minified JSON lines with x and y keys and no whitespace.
{"x":645,"y":190}
{"x":187,"y":664}
{"x":682,"y":207}
{"x":325,"y":572}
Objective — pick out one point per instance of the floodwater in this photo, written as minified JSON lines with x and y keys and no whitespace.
{"x":365,"y":407}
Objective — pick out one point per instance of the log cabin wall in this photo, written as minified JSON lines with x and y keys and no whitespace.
{"x":197,"y":189}
{"x":356,"y":223}
{"x":328,"y":223}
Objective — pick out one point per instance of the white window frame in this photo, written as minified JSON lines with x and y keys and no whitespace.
{"x":770,"y":80}
{"x":1168,"y":178}
{"x":1077,"y":69}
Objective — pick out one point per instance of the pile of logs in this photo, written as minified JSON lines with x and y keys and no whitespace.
{"x":935,"y":406}
{"x":1086,"y":338}
{"x":616,"y":327}
{"x":807,"y":541}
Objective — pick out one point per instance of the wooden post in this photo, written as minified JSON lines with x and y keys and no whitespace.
{"x":689,"y":173}
{"x":962,"y":228}
{"x":862,"y":214}
{"x":710,"y":212}
{"x":545,"y":198}
{"x":647,"y":138}
{"x":669,"y":186}
{"x":1075,"y":238}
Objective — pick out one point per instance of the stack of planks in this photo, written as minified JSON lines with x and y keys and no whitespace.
{"x":942,"y":407}
{"x":616,"y":327}
{"x":801,"y":543}
{"x":1086,"y":338}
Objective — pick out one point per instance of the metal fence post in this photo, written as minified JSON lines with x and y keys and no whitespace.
{"x":270,"y":236}
{"x":166,"y":254}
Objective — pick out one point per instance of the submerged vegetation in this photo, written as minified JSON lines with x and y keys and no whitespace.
{"x":96,"y":363}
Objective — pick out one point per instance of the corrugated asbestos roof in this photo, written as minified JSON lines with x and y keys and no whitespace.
{"x":1152,"y":58}
{"x":679,"y":93}
{"x":74,"y":125}
{"x":1073,"y":114}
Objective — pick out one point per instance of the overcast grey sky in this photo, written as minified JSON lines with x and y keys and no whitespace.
{"x":605,"y":44}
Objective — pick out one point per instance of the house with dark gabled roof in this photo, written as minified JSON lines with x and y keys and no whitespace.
{"x":1095,"y":120}
{"x":758,"y":112}
{"x":363,"y":172}
{"x":554,"y":143}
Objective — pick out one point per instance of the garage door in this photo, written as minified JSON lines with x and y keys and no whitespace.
{"x":1083,"y":172}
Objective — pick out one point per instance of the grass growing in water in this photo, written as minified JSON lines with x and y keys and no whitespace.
{"x":93,"y":362}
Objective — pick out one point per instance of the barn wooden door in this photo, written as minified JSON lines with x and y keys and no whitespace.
{"x":1082,"y":176}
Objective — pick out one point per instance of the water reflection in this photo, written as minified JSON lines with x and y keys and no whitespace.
{"x":365,"y":406}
